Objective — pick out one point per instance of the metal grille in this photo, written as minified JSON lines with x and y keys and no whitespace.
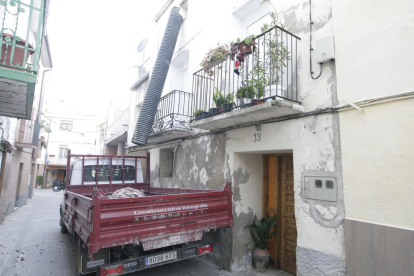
{"x":174,"y":111}
{"x":267,"y":73}
{"x":19,"y":20}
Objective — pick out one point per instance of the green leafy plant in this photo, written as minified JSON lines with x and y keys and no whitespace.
{"x":230,"y":99}
{"x":218,"y":98}
{"x":46,"y":126}
{"x":248,"y":40}
{"x":263,"y":231}
{"x":218,"y":53}
{"x":39,"y":180}
{"x":245,"y":92}
{"x":198,"y":112}
{"x":277,"y":54}
{"x":43,"y":145}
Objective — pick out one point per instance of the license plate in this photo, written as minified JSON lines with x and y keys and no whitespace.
{"x":160,"y":258}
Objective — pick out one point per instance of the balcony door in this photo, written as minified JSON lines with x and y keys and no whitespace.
{"x":279,"y":200}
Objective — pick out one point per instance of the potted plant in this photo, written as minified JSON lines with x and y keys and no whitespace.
{"x":39,"y":180}
{"x":200,"y":114}
{"x":215,"y":56}
{"x":18,"y":57}
{"x":229,"y":102}
{"x":245,"y":94}
{"x":219,"y":100}
{"x":262,"y":231}
{"x":247,"y":45}
{"x":277,"y":56}
{"x":259,"y":92}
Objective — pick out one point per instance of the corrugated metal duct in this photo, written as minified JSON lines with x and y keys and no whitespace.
{"x":157,"y":80}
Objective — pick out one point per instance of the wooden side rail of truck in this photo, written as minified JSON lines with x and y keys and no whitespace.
{"x":119,"y":236}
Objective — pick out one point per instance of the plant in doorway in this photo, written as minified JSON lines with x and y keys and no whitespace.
{"x":39,"y":180}
{"x":262,"y":231}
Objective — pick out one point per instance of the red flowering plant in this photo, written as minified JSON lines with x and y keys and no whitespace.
{"x":215,"y":56}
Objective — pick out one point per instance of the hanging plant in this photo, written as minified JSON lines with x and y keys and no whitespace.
{"x":215,"y":56}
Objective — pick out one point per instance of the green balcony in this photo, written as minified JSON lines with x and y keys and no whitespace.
{"x":21,"y":38}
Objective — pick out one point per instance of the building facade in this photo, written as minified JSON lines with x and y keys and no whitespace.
{"x":25,"y":60}
{"x":324,"y":142}
{"x":81,"y":133}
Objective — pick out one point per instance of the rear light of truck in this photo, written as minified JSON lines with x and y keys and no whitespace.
{"x":204,"y":249}
{"x":112,"y":270}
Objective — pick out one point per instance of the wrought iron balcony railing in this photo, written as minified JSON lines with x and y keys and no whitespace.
{"x":268,"y":72}
{"x":21,"y":34}
{"x":174,"y":112}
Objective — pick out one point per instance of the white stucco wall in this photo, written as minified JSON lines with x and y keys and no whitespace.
{"x":374,"y":48}
{"x":83,"y":139}
{"x":378,"y":162}
{"x":373,"y":59}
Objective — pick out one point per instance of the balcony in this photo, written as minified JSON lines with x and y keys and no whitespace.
{"x":250,"y":87}
{"x":21,"y":37}
{"x":172,"y":118}
{"x":28,"y":136}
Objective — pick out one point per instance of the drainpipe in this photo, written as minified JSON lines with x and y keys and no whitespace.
{"x":47,"y":146}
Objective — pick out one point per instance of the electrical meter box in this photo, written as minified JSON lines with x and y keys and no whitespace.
{"x":324,"y":49}
{"x":321,"y":188}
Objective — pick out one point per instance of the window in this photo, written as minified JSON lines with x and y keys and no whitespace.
{"x":90,"y":171}
{"x":66,"y":125}
{"x":166,"y":162}
{"x":63,"y":151}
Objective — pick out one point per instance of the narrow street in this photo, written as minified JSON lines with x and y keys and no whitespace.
{"x":31,"y":244}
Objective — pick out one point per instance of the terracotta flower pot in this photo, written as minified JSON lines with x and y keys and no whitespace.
{"x":257,"y":102}
{"x":261,"y":259}
{"x":18,"y":52}
{"x":245,"y":49}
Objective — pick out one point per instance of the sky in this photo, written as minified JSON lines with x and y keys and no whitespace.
{"x":93,"y":47}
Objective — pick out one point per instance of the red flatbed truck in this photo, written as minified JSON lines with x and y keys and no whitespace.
{"x":120,"y":236}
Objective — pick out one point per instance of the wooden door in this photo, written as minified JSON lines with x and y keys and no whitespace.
{"x":287,"y":217}
{"x":60,"y":175}
{"x":279,"y":199}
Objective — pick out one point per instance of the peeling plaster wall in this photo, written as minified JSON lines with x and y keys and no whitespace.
{"x":315,"y":144}
{"x":198,"y":163}
{"x":209,"y":161}
{"x":247,"y":180}
{"x":313,"y":141}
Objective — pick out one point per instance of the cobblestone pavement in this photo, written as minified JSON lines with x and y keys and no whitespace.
{"x":31,"y":244}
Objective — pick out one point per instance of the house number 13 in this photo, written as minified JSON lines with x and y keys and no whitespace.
{"x":257,"y":137}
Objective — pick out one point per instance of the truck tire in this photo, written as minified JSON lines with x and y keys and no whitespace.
{"x":63,"y":228}
{"x":78,"y":260}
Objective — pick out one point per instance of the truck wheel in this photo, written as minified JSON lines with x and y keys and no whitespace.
{"x":63,"y":228}
{"x":78,"y":258}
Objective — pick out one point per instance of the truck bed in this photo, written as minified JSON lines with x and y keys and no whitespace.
{"x":163,"y":218}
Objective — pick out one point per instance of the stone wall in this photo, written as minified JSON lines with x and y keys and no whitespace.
{"x":9,"y":196}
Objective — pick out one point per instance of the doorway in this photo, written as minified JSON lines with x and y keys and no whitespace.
{"x":279,"y":199}
{"x":19,"y":184}
{"x":61,"y":175}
